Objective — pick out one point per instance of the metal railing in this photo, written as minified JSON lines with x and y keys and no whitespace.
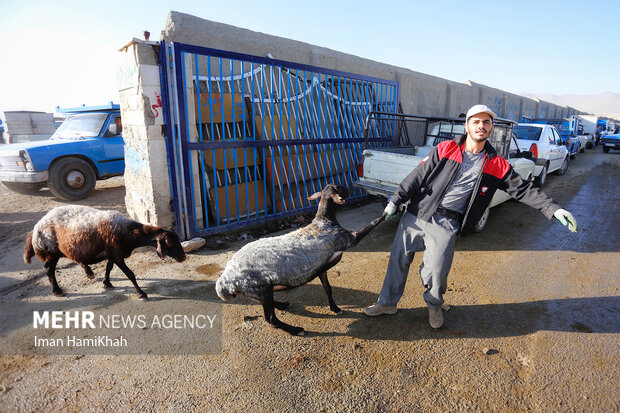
{"x":250,"y":138}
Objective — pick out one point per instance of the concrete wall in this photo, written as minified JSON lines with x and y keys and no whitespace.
{"x":146,"y":167}
{"x":420,"y":93}
{"x":148,"y":196}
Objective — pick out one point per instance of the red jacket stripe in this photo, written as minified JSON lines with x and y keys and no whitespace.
{"x":497,"y":167}
{"x":450,"y":150}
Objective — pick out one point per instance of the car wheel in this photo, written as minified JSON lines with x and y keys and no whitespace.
{"x":605,"y":149}
{"x":482,"y":222}
{"x":542,"y":178}
{"x":26,"y":188}
{"x":563,"y":168}
{"x":71,"y":179}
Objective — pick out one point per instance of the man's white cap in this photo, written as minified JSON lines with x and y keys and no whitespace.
{"x":476,"y":109}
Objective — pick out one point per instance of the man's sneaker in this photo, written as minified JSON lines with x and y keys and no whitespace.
{"x":378,"y":309}
{"x":435,"y":317}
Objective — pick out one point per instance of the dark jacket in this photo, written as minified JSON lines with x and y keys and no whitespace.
{"x":427,"y":183}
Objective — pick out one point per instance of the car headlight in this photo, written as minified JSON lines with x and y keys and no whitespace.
{"x":26,"y":162}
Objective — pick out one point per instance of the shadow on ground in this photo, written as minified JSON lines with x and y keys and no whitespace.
{"x":479,"y":321}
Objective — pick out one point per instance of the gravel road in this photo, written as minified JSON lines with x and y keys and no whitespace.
{"x":534,"y":323}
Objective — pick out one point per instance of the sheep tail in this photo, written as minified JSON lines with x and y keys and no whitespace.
{"x":223,"y":291}
{"x":28,"y":249}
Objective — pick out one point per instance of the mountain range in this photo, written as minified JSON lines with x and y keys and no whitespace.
{"x":605,"y":104}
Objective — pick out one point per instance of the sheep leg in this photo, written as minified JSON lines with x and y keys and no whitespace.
{"x":132,"y":277}
{"x":328,"y":291}
{"x":358,"y":235}
{"x":89,"y":272}
{"x":50,"y":270}
{"x":86,"y":265}
{"x":335,"y":259}
{"x":106,"y":279}
{"x":270,"y":314}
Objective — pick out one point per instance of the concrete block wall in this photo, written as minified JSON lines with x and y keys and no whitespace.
{"x":420,"y":93}
{"x":147,"y":184}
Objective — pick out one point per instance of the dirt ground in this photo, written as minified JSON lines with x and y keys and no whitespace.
{"x":541,"y":302}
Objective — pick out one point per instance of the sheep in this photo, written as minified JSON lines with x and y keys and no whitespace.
{"x":291,"y":260}
{"x":87,"y":236}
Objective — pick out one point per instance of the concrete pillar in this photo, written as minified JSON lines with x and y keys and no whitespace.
{"x":147,"y":184}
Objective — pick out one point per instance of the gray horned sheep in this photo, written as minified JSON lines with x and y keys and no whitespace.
{"x":292,"y":259}
{"x":88,"y":236}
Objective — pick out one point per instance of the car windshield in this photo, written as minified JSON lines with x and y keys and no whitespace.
{"x":530,"y":133}
{"x":87,"y":125}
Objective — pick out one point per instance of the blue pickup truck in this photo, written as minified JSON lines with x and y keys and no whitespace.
{"x":86,"y":147}
{"x":610,"y":142}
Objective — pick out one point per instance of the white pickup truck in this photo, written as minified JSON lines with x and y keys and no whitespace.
{"x":391,"y":152}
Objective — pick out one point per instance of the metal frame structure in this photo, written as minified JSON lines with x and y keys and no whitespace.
{"x":401,"y":130}
{"x":249,"y":137}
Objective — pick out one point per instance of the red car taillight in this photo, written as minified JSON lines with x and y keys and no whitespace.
{"x":360,"y":169}
{"x":534,"y":150}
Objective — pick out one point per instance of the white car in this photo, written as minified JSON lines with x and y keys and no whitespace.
{"x":548,"y":152}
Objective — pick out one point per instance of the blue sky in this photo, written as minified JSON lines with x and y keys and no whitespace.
{"x":66,"y":52}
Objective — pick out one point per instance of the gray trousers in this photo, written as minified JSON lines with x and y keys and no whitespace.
{"x":437,"y":238}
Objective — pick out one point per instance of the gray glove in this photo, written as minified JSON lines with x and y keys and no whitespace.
{"x":389,"y":210}
{"x":567,"y":219}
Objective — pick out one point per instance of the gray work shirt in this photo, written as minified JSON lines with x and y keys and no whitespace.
{"x":458,"y":193}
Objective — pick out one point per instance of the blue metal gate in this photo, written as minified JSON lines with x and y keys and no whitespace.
{"x":250,"y":138}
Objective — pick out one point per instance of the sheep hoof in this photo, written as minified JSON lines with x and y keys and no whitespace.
{"x":143,"y":296}
{"x":107,"y":285}
{"x":58,"y":293}
{"x":336,"y":310}
{"x":297,"y":331}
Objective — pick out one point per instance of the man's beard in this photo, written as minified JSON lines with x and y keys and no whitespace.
{"x":477,"y":139}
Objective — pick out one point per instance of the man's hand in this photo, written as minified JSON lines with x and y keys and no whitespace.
{"x":389,"y":210}
{"x":566,"y":218}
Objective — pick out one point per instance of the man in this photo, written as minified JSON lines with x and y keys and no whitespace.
{"x":448,"y":193}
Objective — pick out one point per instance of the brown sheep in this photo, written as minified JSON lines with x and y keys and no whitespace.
{"x":87,"y":236}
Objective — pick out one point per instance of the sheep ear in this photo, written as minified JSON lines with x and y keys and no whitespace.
{"x":314,"y":196}
{"x":160,"y":251}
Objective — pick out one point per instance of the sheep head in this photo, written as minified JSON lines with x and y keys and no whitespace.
{"x":168,"y":244}
{"x":330,"y":195}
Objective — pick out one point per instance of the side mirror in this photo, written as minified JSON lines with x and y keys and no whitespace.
{"x":114,"y":129}
{"x":526,"y":154}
